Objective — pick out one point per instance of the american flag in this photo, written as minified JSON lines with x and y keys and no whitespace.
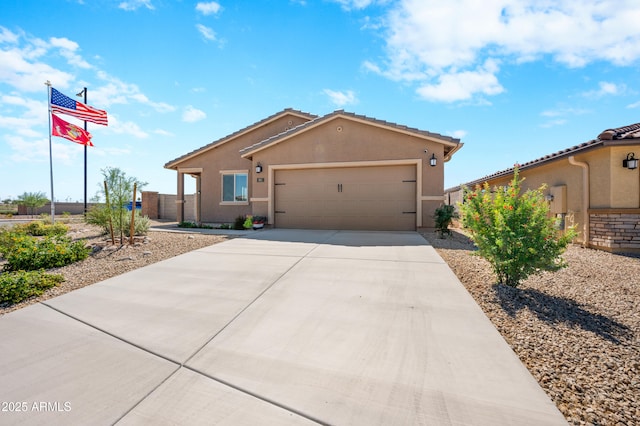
{"x":65,"y":105}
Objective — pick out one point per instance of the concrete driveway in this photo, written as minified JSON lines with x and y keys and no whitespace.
{"x":280,"y":327}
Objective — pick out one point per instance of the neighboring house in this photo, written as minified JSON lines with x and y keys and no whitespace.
{"x":338,"y":171}
{"x":591,"y":185}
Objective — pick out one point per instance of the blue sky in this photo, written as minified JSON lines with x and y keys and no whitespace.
{"x":513,"y":79}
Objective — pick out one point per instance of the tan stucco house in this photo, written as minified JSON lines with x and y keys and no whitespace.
{"x":592,"y":185}
{"x":337,"y":171}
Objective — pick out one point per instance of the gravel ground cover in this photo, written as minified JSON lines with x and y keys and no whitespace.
{"x":109,"y":260}
{"x":577,"y":330}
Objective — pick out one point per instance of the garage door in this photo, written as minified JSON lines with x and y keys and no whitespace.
{"x":359,"y":198}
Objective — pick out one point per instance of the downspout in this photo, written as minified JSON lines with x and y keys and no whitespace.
{"x":585,"y":198}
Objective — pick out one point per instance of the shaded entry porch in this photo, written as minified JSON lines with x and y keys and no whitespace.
{"x":196,"y":173}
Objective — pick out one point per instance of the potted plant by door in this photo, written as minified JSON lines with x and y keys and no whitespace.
{"x":259,"y":222}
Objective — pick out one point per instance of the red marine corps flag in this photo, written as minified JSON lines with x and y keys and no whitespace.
{"x":61,"y":128}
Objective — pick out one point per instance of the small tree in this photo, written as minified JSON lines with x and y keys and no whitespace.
{"x":120,"y":187}
{"x":514,"y":231}
{"x":33,"y":200}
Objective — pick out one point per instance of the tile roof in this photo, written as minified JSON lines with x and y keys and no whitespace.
{"x":627,"y":132}
{"x":453,"y":142}
{"x":233,"y":135}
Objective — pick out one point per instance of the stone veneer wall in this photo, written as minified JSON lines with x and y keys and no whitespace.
{"x":615,"y":230}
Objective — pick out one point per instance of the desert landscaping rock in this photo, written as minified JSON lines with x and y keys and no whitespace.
{"x":577,"y":330}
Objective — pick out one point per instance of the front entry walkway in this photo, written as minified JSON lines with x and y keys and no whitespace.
{"x":283,"y":327}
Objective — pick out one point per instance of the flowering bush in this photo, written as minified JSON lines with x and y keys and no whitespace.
{"x":29,"y":253}
{"x":39,"y":228}
{"x":514,"y":231}
{"x":18,"y":286}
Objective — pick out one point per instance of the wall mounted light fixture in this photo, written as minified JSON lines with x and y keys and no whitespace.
{"x":548,"y":197}
{"x":631,"y":162}
{"x":259,"y":168}
{"x":433,"y":160}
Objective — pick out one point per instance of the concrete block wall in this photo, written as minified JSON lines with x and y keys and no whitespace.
{"x":61,"y":207}
{"x":166,"y":207}
{"x":615,"y":230}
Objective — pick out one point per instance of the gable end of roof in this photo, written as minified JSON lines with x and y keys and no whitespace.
{"x":447,"y":140}
{"x":287,"y":111}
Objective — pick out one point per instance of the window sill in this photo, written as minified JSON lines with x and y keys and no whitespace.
{"x":234,"y":203}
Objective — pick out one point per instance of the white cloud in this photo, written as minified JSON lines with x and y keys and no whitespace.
{"x":17,"y":70}
{"x":7,"y":36}
{"x":116,"y":91}
{"x":606,"y":89}
{"x":135,"y":4}
{"x":458,"y":134}
{"x":354,"y":4}
{"x":442,"y":45}
{"x":37,"y":150}
{"x":68,"y":50}
{"x":634,"y":105}
{"x":208,"y":8}
{"x":561,"y":112}
{"x":206,"y":32}
{"x":462,"y":86}
{"x":128,"y":128}
{"x":191,"y":115}
{"x":553,"y":123}
{"x":163,"y":132}
{"x":341,"y":98}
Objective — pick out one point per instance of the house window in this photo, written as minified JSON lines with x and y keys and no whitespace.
{"x":235,"y":187}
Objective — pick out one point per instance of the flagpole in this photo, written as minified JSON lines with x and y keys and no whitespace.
{"x":53,"y":204}
{"x":85,"y":155}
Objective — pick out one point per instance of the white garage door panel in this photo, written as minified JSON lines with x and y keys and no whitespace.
{"x":363,"y":198}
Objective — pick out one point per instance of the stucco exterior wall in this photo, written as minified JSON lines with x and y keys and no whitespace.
{"x":342,"y":140}
{"x":625,"y":183}
{"x":226,"y":157}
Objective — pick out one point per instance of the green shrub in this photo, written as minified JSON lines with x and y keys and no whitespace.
{"x":8,"y":238}
{"x":99,"y":215}
{"x":45,"y":218}
{"x":140,"y":226}
{"x":187,"y":224}
{"x":514,"y":231}
{"x":239,"y":222}
{"x":29,"y":253}
{"x":443,"y":217}
{"x":39,"y":228}
{"x":20,"y":285}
